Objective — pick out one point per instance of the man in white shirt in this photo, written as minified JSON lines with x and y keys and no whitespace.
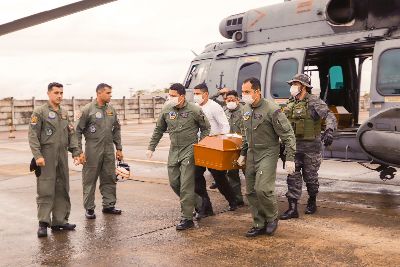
{"x":219,"y":125}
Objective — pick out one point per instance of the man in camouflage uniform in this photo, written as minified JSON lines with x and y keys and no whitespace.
{"x":305,"y":112}
{"x":182,"y":120}
{"x":50,"y":136}
{"x":264,"y":124}
{"x":234,"y":114}
{"x":100,"y":126}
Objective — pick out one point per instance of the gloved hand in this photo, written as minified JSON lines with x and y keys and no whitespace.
{"x":290,"y":167}
{"x":149,"y":154}
{"x":241,"y":161}
{"x":327,"y":137}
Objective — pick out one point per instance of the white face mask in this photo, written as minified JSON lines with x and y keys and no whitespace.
{"x":173,"y":101}
{"x":231,"y":105}
{"x":198,"y":99}
{"x":248,"y":99}
{"x":294,"y":90}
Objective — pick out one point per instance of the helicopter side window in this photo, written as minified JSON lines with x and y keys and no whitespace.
{"x":196,"y":75}
{"x":282,"y":71}
{"x":246,"y":71}
{"x":336,"y":78}
{"x":389,"y":72}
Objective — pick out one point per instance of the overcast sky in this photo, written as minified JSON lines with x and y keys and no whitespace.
{"x":129,"y":44}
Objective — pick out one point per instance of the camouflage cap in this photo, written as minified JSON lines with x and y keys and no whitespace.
{"x":304,"y":79}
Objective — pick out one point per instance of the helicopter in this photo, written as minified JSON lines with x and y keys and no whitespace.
{"x":329,"y":40}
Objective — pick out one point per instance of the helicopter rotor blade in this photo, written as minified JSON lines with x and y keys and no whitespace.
{"x":49,"y":15}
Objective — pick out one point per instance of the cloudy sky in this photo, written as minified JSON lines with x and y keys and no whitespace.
{"x":129,"y":44}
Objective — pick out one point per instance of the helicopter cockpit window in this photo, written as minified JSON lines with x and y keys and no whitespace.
{"x":246,"y":71}
{"x":283,"y":71}
{"x":196,"y":75}
{"x":336,"y":78}
{"x":388,"y":73}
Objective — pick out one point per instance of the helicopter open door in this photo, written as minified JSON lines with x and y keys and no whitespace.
{"x":282,"y":66}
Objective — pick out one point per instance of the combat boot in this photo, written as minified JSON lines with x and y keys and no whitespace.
{"x":255,"y":231}
{"x":42,"y":231}
{"x":271,"y":227}
{"x":292,"y":211}
{"x":89,"y":214}
{"x":185,"y":224}
{"x":311,"y":205}
{"x":67,"y":227}
{"x":112,"y":210}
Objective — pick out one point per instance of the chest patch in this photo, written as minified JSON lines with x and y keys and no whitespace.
{"x":92,"y":128}
{"x":184,"y":114}
{"x":246,"y":115}
{"x":49,"y":131}
{"x":52,"y":115}
{"x":258,"y":116}
{"x":98,"y":115}
{"x":109,"y":112}
{"x":172,"y":115}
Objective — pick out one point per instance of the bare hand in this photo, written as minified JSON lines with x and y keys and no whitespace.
{"x":40,"y":162}
{"x":82,"y":158}
{"x":77,"y":161}
{"x":119,"y":155}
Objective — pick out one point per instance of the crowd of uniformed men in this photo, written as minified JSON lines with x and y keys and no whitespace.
{"x":264,"y":125}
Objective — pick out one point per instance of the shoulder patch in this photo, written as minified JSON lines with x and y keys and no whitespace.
{"x":34,"y":120}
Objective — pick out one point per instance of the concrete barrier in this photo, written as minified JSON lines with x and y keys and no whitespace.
{"x":141,"y":109}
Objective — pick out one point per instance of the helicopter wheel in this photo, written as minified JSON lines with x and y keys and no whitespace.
{"x":387,"y":173}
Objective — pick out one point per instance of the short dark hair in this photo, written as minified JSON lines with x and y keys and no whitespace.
{"x":232,"y":92}
{"x":202,"y":86}
{"x":179,"y":88}
{"x":102,"y":86}
{"x":54,"y":84}
{"x":255,"y":83}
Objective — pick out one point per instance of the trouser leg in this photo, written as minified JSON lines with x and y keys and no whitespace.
{"x":90,"y":172}
{"x":256,"y":211}
{"x":234,"y":181}
{"x":265,"y":188}
{"x":294,"y":181}
{"x":108,"y":186}
{"x":45,"y":193}
{"x":181,"y":180}
{"x":312,"y":162}
{"x":200,"y":181}
{"x":62,"y":203}
{"x":223,"y":185}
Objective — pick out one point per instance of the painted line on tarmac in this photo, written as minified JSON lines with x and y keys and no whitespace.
{"x":146,"y":161}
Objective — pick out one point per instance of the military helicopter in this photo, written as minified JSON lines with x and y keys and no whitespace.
{"x":330,"y":40}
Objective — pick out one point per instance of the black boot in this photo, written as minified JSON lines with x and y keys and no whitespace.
{"x":112,"y":210}
{"x":185,"y":224}
{"x":311,"y":205}
{"x":271,"y":227}
{"x":67,"y":227}
{"x":89,"y":214}
{"x":42,"y":231}
{"x":254,"y":231}
{"x":292,"y":211}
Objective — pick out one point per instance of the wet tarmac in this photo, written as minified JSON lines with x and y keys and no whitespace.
{"x":357,"y":223}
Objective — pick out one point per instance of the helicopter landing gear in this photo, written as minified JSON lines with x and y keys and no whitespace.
{"x":386,"y":172}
